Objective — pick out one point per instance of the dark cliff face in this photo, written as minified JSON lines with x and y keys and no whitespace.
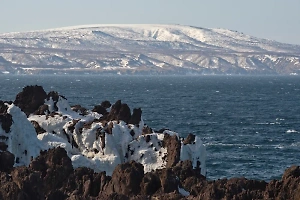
{"x":51,"y":176}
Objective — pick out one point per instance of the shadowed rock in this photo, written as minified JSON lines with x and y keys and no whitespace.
{"x":136,"y":116}
{"x":30,"y":99}
{"x":7,"y":161}
{"x":6,"y":122}
{"x":5,"y":118}
{"x":100,"y":109}
{"x":106,"y":104}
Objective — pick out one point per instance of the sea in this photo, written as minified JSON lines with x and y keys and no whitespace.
{"x":250,"y":125}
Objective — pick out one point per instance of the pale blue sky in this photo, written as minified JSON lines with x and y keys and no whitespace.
{"x":272,"y":19}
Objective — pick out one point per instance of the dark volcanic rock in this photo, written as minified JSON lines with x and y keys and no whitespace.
{"x":168,"y":180}
{"x":51,"y":176}
{"x":30,"y":99}
{"x":184,"y":170}
{"x":42,"y":110}
{"x":288,"y":187}
{"x":29,"y":182}
{"x":126,"y":179}
{"x":55,"y":167}
{"x":7,"y":161}
{"x":150,"y":183}
{"x":119,"y":111}
{"x":5,"y":118}
{"x":136,"y":116}
{"x":3,"y":107}
{"x":100,"y":109}
{"x":3,"y":146}
{"x":106,"y":104}
{"x":85,"y":182}
{"x":9,"y":189}
{"x":6,"y":122}
{"x":173,"y":146}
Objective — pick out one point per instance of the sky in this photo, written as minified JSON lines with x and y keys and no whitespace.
{"x":271,"y":19}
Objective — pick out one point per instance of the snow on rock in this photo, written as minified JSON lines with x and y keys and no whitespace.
{"x":94,"y":140}
{"x":22,"y":140}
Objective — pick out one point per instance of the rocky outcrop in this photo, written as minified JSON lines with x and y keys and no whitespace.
{"x":30,"y":99}
{"x":51,"y":176}
{"x":173,"y":146}
{"x":112,"y":143}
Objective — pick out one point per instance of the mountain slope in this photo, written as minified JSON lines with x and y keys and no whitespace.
{"x":145,"y":49}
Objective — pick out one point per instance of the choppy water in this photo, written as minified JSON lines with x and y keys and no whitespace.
{"x":250,"y":125}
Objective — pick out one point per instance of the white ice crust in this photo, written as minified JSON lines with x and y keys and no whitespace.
{"x":88,"y":144}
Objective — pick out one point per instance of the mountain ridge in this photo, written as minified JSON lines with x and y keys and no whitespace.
{"x":144,"y":49}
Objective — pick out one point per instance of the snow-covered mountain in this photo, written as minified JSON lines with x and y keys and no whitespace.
{"x":144,"y":49}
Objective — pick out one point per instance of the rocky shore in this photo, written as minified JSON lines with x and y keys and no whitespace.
{"x":50,"y":150}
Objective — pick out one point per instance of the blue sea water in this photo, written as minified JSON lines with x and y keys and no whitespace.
{"x":250,"y":125}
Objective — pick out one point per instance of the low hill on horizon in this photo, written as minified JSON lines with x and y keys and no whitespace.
{"x":144,"y":49}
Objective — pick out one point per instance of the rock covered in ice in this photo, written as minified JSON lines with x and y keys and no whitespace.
{"x":99,"y":139}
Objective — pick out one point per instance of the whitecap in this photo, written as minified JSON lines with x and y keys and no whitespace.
{"x":291,"y":131}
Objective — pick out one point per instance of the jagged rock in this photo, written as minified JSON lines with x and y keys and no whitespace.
{"x":150,"y":183}
{"x":168,"y":180}
{"x":292,"y":172}
{"x":55,"y":166}
{"x":288,"y":187}
{"x":51,"y":176}
{"x":136,"y":116}
{"x":30,"y":99}
{"x":184,"y":169}
{"x":7,"y":161}
{"x":126,"y":179}
{"x":29,"y":182}
{"x":119,"y":111}
{"x":106,"y":104}
{"x":173,"y":146}
{"x":85,"y":182}
{"x":9,"y":189}
{"x":100,"y":109}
